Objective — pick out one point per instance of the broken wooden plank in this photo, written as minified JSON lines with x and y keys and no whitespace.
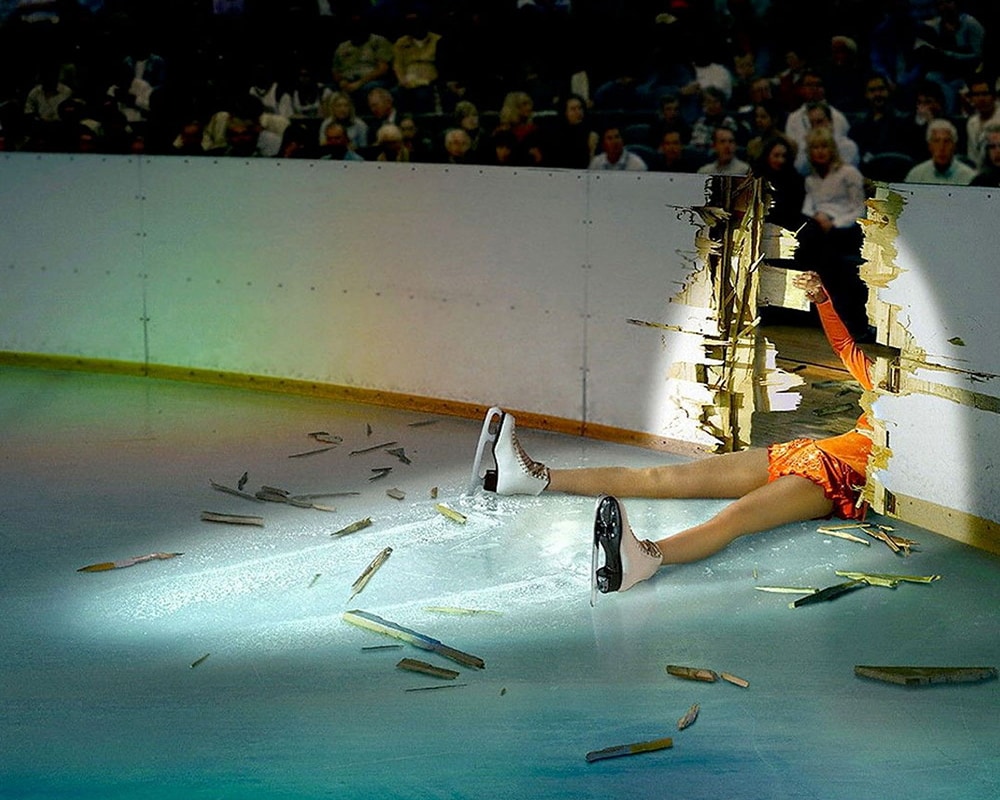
{"x":829,"y":593}
{"x":395,"y":494}
{"x":372,"y":448}
{"x":924,"y":676}
{"x":728,"y":676}
{"x":413,"y":665}
{"x":450,"y":513}
{"x":104,"y":566}
{"x":370,"y":570}
{"x":689,"y":717}
{"x":373,"y":622}
{"x":354,"y":526}
{"x":692,"y":673}
{"x":629,"y":749}
{"x":236,"y":492}
{"x":233,"y":519}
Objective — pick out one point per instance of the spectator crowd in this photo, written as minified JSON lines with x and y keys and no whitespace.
{"x":902,"y":90}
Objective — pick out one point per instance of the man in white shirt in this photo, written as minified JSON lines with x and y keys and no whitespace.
{"x":614,"y":155}
{"x":726,"y":162}
{"x":942,"y":167}
{"x":811,"y":90}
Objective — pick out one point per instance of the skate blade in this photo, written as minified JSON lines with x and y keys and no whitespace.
{"x":607,"y":536}
{"x":593,"y":574}
{"x":488,"y":435}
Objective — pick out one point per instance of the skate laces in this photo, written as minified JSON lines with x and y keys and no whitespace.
{"x":532,"y":467}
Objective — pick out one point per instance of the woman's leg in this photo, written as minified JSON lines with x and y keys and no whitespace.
{"x":790,"y":498}
{"x":728,"y":475}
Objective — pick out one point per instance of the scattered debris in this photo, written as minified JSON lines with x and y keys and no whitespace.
{"x":450,"y":513}
{"x":314,"y":579}
{"x":242,"y":481}
{"x":236,"y":492}
{"x":924,"y":676}
{"x":326,"y":437}
{"x":372,"y":622}
{"x":630,"y":749}
{"x":693,"y":673}
{"x":787,"y":589}
{"x":726,"y":676}
{"x":422,"y":423}
{"x":503,"y":691}
{"x":368,"y":429}
{"x":829,"y":593}
{"x":383,"y":647}
{"x":317,"y":451}
{"x":413,"y":665}
{"x":400,"y":453}
{"x":274,"y":495}
{"x":455,"y":610}
{"x":441,"y":686}
{"x":354,"y":526}
{"x":842,"y":534}
{"x":689,"y":717}
{"x":198,"y":661}
{"x":396,"y":494}
{"x":434,"y":492}
{"x":127,"y":562}
{"x":370,"y":570}
{"x":380,"y":472}
{"x":372,"y":448}
{"x":887,"y":580}
{"x":234,"y":519}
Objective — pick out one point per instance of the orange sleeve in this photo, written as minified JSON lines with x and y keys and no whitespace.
{"x":854,"y":358}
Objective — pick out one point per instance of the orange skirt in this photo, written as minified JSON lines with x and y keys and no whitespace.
{"x":839,"y":482}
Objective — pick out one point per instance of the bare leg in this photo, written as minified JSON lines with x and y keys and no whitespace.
{"x":790,"y":498}
{"x":729,"y":475}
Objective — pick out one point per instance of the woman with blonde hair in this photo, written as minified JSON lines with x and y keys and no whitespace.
{"x":341,"y":111}
{"x":517,"y":116}
{"x":830,"y":241}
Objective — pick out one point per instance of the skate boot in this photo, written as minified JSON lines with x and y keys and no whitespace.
{"x":515,"y":472}
{"x":627,"y":560}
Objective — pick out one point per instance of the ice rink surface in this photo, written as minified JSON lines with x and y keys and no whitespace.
{"x":106,"y":692}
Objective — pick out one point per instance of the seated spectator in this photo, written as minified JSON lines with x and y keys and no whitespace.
{"x":336,"y":146}
{"x":457,"y":147}
{"x":775,"y":164}
{"x":989,"y":172}
{"x":811,"y":90}
{"x":309,"y":99}
{"x":830,"y":240}
{"x":570,"y":142}
{"x":517,"y":114}
{"x":670,"y":117}
{"x":985,"y":112}
{"x":883,"y":128}
{"x":342,"y":112}
{"x":818,"y":115}
{"x":382,"y":106}
{"x":418,"y":147}
{"x":190,"y":138}
{"x":268,"y":129}
{"x":242,"y":138}
{"x":501,"y":149}
{"x":614,"y":156}
{"x":768,"y":124}
{"x":41,"y":105}
{"x":363,"y":60}
{"x":265,"y":89}
{"x":714,"y":116}
{"x":673,"y":155}
{"x":943,"y":166}
{"x":928,"y":105}
{"x":466,"y":116}
{"x":415,"y":64}
{"x":299,"y":141}
{"x":389,"y":145}
{"x":726,"y":162}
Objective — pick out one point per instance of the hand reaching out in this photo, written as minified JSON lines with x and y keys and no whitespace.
{"x":810,"y":283}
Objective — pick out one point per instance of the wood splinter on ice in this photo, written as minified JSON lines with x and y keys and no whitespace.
{"x":414,"y":665}
{"x":235,"y":519}
{"x":689,"y":717}
{"x":693,"y":673}
{"x":726,"y":676}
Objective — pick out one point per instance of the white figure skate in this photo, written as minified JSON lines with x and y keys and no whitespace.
{"x":627,"y":560}
{"x":515,"y":472}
